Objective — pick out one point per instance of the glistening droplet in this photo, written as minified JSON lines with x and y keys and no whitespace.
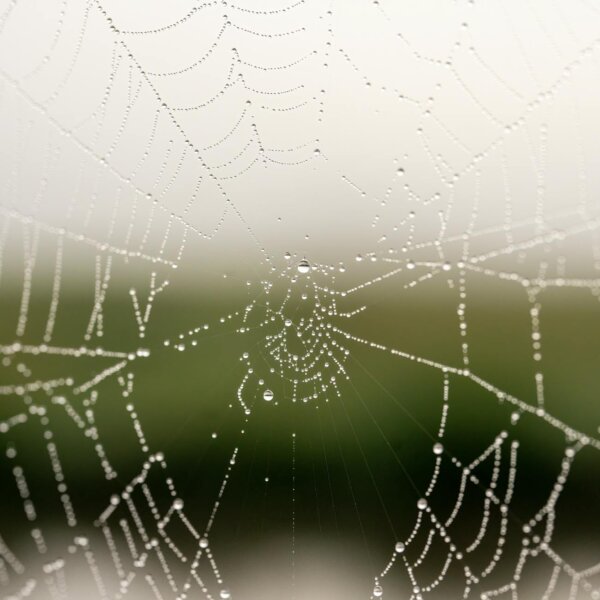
{"x":303,"y":267}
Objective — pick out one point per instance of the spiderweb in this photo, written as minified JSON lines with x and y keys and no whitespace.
{"x":339,"y":192}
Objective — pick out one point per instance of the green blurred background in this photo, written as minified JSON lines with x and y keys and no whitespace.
{"x":337,"y":478}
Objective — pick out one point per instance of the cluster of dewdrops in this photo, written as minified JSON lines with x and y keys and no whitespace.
{"x":310,"y":373}
{"x":430,"y":526}
{"x":123,"y":514}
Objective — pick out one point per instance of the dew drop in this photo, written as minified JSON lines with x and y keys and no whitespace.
{"x":268,"y":395}
{"x":438,"y":448}
{"x":303,"y":267}
{"x":399,"y":548}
